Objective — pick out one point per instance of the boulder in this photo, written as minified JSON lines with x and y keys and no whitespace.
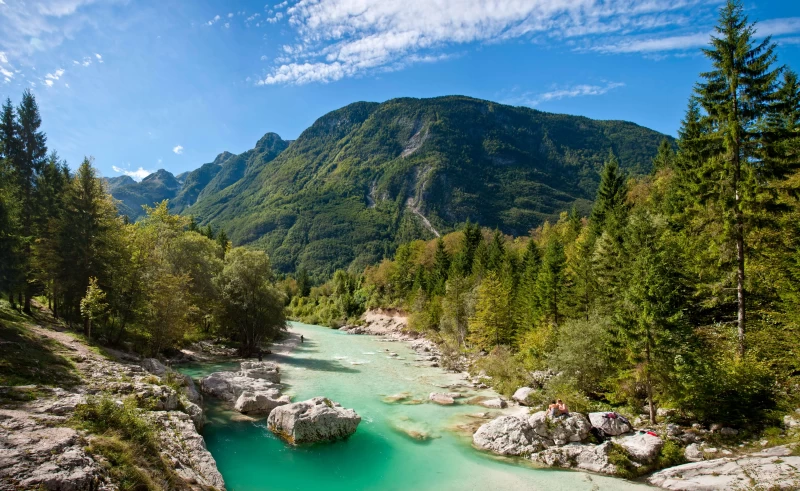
{"x":439,"y":398}
{"x":228,"y":386}
{"x":190,"y":391}
{"x":495,"y":403}
{"x":261,"y":370}
{"x":521,"y":395}
{"x":751,"y":472}
{"x":195,"y":412}
{"x":592,"y":458}
{"x":643,"y":448}
{"x":154,"y":366}
{"x":158,"y":397}
{"x":315,"y":420}
{"x":692,"y":453}
{"x":792,"y":421}
{"x":609,"y":426}
{"x":508,"y":435}
{"x":573,"y":427}
{"x":261,"y":402}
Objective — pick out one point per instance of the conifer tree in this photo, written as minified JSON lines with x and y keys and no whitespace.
{"x":441,"y":268}
{"x":736,"y":96}
{"x":550,"y":282}
{"x":223,"y":242}
{"x":665,"y":157}
{"x":609,"y":205}
{"x":490,"y":325}
{"x":496,"y":252}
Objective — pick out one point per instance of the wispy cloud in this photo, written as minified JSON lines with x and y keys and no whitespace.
{"x":335,"y":39}
{"x":533,"y":99}
{"x":178,"y":149}
{"x":214,"y":20}
{"x":137,"y":174}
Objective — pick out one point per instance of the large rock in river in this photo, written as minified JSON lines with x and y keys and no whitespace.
{"x":570,"y":428}
{"x":592,"y":458}
{"x":261,"y":369}
{"x":508,"y":435}
{"x":260,"y":402}
{"x":315,"y":420}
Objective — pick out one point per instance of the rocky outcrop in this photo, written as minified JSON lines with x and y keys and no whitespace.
{"x":608,"y":426}
{"x":186,"y":450}
{"x":154,"y":366}
{"x":254,"y":389}
{"x":560,"y":430}
{"x":35,"y":454}
{"x":507,"y":435}
{"x":770,"y":469}
{"x":643,"y":448}
{"x":592,"y":458}
{"x":315,"y":420}
{"x":693,"y":453}
{"x":494,"y":403}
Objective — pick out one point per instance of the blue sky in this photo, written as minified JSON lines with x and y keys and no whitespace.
{"x":142,"y":85}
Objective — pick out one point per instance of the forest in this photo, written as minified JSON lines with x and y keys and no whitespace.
{"x":679,"y":290}
{"x":150,"y":286}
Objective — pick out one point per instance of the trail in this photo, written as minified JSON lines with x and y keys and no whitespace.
{"x":425,"y":221}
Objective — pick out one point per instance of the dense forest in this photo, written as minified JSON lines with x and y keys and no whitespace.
{"x":679,"y":289}
{"x":149,"y":286}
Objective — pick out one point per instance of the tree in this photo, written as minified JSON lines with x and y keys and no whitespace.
{"x":441,"y":268}
{"x":665,"y":157}
{"x":736,"y":95}
{"x":496,"y":251}
{"x":28,"y":162}
{"x":224,"y":243}
{"x":609,"y":205}
{"x":93,"y":305}
{"x":649,"y":324}
{"x":491,"y":323}
{"x":550,"y":282}
{"x":303,"y":283}
{"x":456,"y":311}
{"x":249,"y":304}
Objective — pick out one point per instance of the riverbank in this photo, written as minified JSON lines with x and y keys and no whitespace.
{"x":106,"y":420}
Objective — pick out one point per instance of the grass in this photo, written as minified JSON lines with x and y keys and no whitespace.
{"x":28,"y":359}
{"x":127,"y":443}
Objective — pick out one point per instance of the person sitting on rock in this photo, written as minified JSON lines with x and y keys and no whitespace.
{"x":552,"y":409}
{"x":561,"y":409}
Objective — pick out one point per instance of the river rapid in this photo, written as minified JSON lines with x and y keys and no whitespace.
{"x":358,"y":372}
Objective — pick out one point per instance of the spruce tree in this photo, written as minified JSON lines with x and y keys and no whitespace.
{"x":609,"y":204}
{"x":665,"y":157}
{"x":496,"y":252}
{"x":736,"y":95}
{"x":550,"y":282}
{"x":441,"y":268}
{"x":490,"y":325}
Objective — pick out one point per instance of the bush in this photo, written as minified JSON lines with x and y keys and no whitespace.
{"x":580,"y":353}
{"x":671,"y":455}
{"x":506,"y":371}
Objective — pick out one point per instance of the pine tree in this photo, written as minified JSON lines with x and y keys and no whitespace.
{"x":465,"y":258}
{"x":441,"y":268}
{"x":550,"y":282}
{"x":496,"y":252}
{"x":526,"y":300}
{"x":223,"y":242}
{"x":736,"y":95}
{"x":491,"y":324}
{"x":665,"y":157}
{"x":609,"y":206}
{"x":28,"y":164}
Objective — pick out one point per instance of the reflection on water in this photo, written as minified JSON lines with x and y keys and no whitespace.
{"x":402,"y":443}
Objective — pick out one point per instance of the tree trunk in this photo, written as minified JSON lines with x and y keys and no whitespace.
{"x":740,"y":286}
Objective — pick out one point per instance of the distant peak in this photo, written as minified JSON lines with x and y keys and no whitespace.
{"x":222,"y":158}
{"x":270,"y":142}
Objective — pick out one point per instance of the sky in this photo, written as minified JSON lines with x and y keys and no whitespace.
{"x":144,"y":85}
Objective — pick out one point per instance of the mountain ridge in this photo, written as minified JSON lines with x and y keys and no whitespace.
{"x":366,"y":177}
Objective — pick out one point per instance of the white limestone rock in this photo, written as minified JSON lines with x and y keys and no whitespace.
{"x":442,"y":399}
{"x":261,"y":402}
{"x":508,"y":435}
{"x":643,"y":448}
{"x":609,"y":426}
{"x":315,"y":420}
{"x":692,"y":453}
{"x":261,"y":370}
{"x":154,"y":366}
{"x":495,"y":403}
{"x":521,"y":395}
{"x":592,"y":458}
{"x":560,"y":430}
{"x":752,"y":472}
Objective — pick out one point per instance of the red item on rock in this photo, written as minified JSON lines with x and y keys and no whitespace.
{"x":651,"y":433}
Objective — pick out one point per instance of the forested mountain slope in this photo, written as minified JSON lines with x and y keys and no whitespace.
{"x":369,"y":176}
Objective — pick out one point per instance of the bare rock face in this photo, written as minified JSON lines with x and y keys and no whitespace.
{"x":764,"y":470}
{"x":592,"y":458}
{"x":315,"y":420}
{"x":560,"y":430}
{"x":186,"y":450}
{"x":495,"y":403}
{"x":693,"y":453}
{"x":609,"y":426}
{"x":261,"y":370}
{"x":34,"y":455}
{"x":508,"y":435}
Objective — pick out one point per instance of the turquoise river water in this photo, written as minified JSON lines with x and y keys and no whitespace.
{"x":357,"y":372}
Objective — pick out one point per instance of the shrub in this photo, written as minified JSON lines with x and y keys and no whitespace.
{"x":506,"y":371}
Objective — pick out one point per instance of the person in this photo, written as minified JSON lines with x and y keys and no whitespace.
{"x":301,"y":338}
{"x":563,"y":410}
{"x":260,"y":355}
{"x":552,"y":409}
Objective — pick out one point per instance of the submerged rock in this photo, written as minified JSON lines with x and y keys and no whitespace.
{"x":315,"y":420}
{"x":416,"y":430}
{"x":440,"y":398}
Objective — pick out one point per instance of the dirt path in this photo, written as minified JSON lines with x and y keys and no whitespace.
{"x":70,"y":342}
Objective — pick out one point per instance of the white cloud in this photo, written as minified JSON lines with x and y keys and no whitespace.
{"x":178,"y":149}
{"x":230,"y":15}
{"x":56,"y":75}
{"x":3,"y":57}
{"x":49,"y":83}
{"x":6,"y":73}
{"x":252,"y":17}
{"x":99,"y":57}
{"x":344,"y":38}
{"x":227,"y":25}
{"x":214,"y":20}
{"x":137,"y":174}
{"x":264,"y":58}
{"x":581,"y":90}
{"x":281,"y":5}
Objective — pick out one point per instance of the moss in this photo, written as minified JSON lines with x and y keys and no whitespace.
{"x":621,"y":459}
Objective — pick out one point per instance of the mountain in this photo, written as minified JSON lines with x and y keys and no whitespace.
{"x":369,"y":176}
{"x":156,"y":187}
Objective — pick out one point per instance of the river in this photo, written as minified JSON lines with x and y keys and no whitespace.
{"x":357,"y":372}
